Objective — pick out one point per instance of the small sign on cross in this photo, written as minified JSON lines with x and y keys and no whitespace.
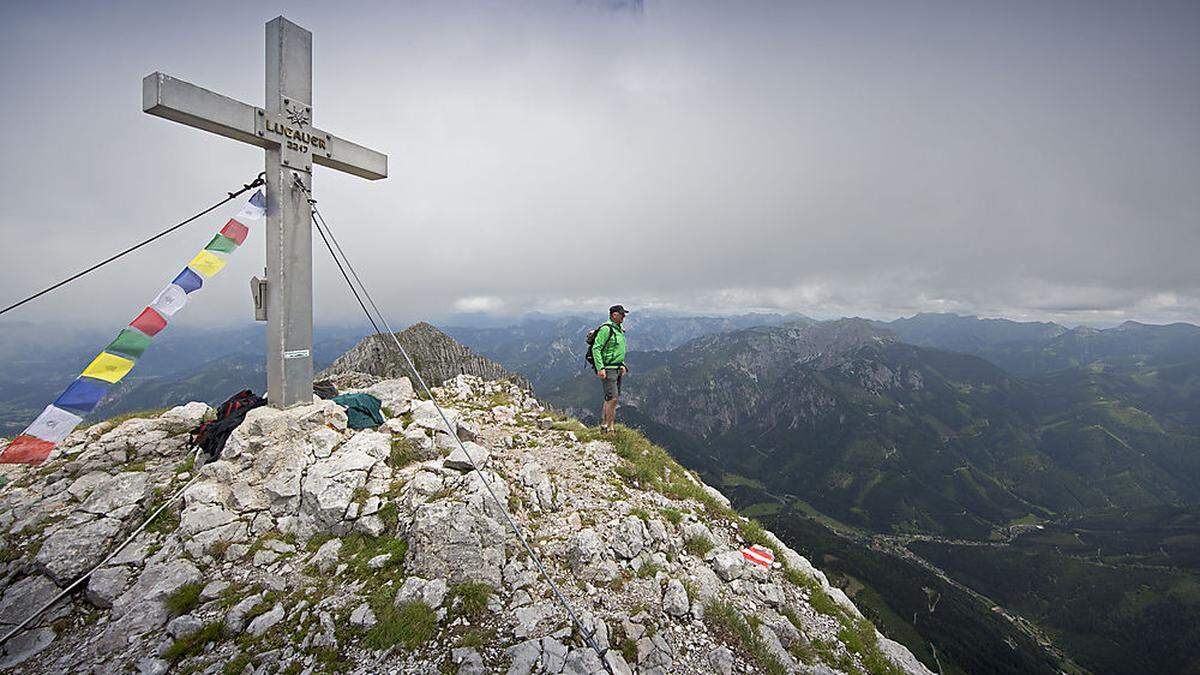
{"x":283,"y":127}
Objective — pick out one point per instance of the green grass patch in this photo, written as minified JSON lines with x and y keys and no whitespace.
{"x":697,"y":545}
{"x":475,"y":638}
{"x":236,"y":665}
{"x":728,"y":624}
{"x":358,"y":549}
{"x":673,"y":516}
{"x":194,"y":644}
{"x":409,"y":625}
{"x":859,"y":637}
{"x":641,"y":513}
{"x":648,"y":570}
{"x":184,"y":599}
{"x":754,"y":533}
{"x":472,"y":598}
{"x":650,"y":467}
{"x":402,"y":453}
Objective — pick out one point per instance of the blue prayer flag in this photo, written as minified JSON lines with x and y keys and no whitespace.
{"x":82,"y":395}
{"x":188,"y":280}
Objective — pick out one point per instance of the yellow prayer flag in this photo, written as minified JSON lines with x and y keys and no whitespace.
{"x":108,"y":367}
{"x":207,"y":263}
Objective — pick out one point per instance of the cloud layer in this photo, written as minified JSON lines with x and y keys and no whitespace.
{"x":1026,"y":160}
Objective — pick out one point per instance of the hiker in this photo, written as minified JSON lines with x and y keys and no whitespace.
{"x":608,"y":357}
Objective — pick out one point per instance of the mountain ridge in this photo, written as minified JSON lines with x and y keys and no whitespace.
{"x":382,"y":552}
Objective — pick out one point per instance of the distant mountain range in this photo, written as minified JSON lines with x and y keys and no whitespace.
{"x":955,"y":453}
{"x":999,"y":496}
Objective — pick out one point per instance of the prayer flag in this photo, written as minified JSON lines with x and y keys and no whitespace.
{"x":26,"y":449}
{"x":235,"y":231}
{"x":130,"y":342}
{"x":254,"y":209}
{"x":149,"y":322}
{"x":54,"y":424}
{"x":206,"y":263}
{"x":108,"y":367}
{"x":83,"y":394}
{"x":169,"y":300}
{"x":188,"y":280}
{"x":221,"y":244}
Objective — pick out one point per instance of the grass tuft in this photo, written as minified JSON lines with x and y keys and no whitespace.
{"x":194,"y":644}
{"x":697,"y":545}
{"x":472,"y":598}
{"x":410,"y":624}
{"x":724,"y":620}
{"x":402,"y":454}
{"x":184,"y":599}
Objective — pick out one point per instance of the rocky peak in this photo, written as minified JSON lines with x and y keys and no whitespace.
{"x":309,"y":547}
{"x":437,"y":356}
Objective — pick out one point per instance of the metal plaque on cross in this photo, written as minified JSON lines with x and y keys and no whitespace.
{"x":284,"y":128}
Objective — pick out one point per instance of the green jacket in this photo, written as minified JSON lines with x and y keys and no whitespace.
{"x":608,"y":351}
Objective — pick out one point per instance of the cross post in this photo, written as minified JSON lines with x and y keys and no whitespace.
{"x":283,"y":127}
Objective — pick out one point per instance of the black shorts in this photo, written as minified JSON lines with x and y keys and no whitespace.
{"x":612,"y":383}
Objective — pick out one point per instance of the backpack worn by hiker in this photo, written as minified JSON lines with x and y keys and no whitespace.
{"x":591,"y":342}
{"x":210,"y":436}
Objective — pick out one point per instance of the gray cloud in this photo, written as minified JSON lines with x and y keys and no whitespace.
{"x":1025,"y":159}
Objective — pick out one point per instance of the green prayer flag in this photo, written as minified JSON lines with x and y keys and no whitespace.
{"x":130,"y":342}
{"x":221,"y":244}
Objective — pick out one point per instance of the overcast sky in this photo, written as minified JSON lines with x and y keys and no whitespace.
{"x":1028,"y":159}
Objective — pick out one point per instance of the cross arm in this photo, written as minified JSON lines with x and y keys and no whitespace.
{"x":183,"y":102}
{"x":350,"y":158}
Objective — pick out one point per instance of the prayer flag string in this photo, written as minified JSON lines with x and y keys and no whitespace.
{"x":112,"y":364}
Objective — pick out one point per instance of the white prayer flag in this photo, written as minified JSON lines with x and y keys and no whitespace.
{"x":249,"y":213}
{"x":54,"y":424}
{"x":170,"y":300}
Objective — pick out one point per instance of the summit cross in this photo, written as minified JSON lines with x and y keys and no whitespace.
{"x":293,"y":145}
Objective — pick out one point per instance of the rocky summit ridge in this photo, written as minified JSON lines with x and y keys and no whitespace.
{"x":309,"y":547}
{"x":437,"y":356}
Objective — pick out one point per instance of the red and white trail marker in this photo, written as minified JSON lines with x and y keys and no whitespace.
{"x":759,"y":555}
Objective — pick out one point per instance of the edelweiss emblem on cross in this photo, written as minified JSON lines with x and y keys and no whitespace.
{"x":296,"y":115}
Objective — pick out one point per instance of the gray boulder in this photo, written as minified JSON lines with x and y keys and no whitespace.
{"x":452,"y":540}
{"x":479,"y":457}
{"x":675,"y":599}
{"x":70,"y":552}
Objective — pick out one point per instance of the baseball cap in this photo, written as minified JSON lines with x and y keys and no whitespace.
{"x":618,"y":308}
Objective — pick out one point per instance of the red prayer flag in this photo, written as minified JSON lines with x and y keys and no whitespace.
{"x":26,"y":449}
{"x":235,"y":231}
{"x":149,"y":322}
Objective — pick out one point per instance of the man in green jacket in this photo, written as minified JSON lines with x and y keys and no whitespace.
{"x":608,"y":354}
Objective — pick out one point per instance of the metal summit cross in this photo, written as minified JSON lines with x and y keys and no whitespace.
{"x":284,"y":128}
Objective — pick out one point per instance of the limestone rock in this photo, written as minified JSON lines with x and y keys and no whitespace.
{"x":327,"y":556}
{"x":363,"y":616}
{"x":730,"y":565}
{"x":263,"y":622}
{"x":478,"y":457}
{"x":106,"y":585}
{"x":70,"y":552}
{"x":675,"y":599}
{"x":416,"y":589}
{"x":721,"y":660}
{"x":453,"y":540}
